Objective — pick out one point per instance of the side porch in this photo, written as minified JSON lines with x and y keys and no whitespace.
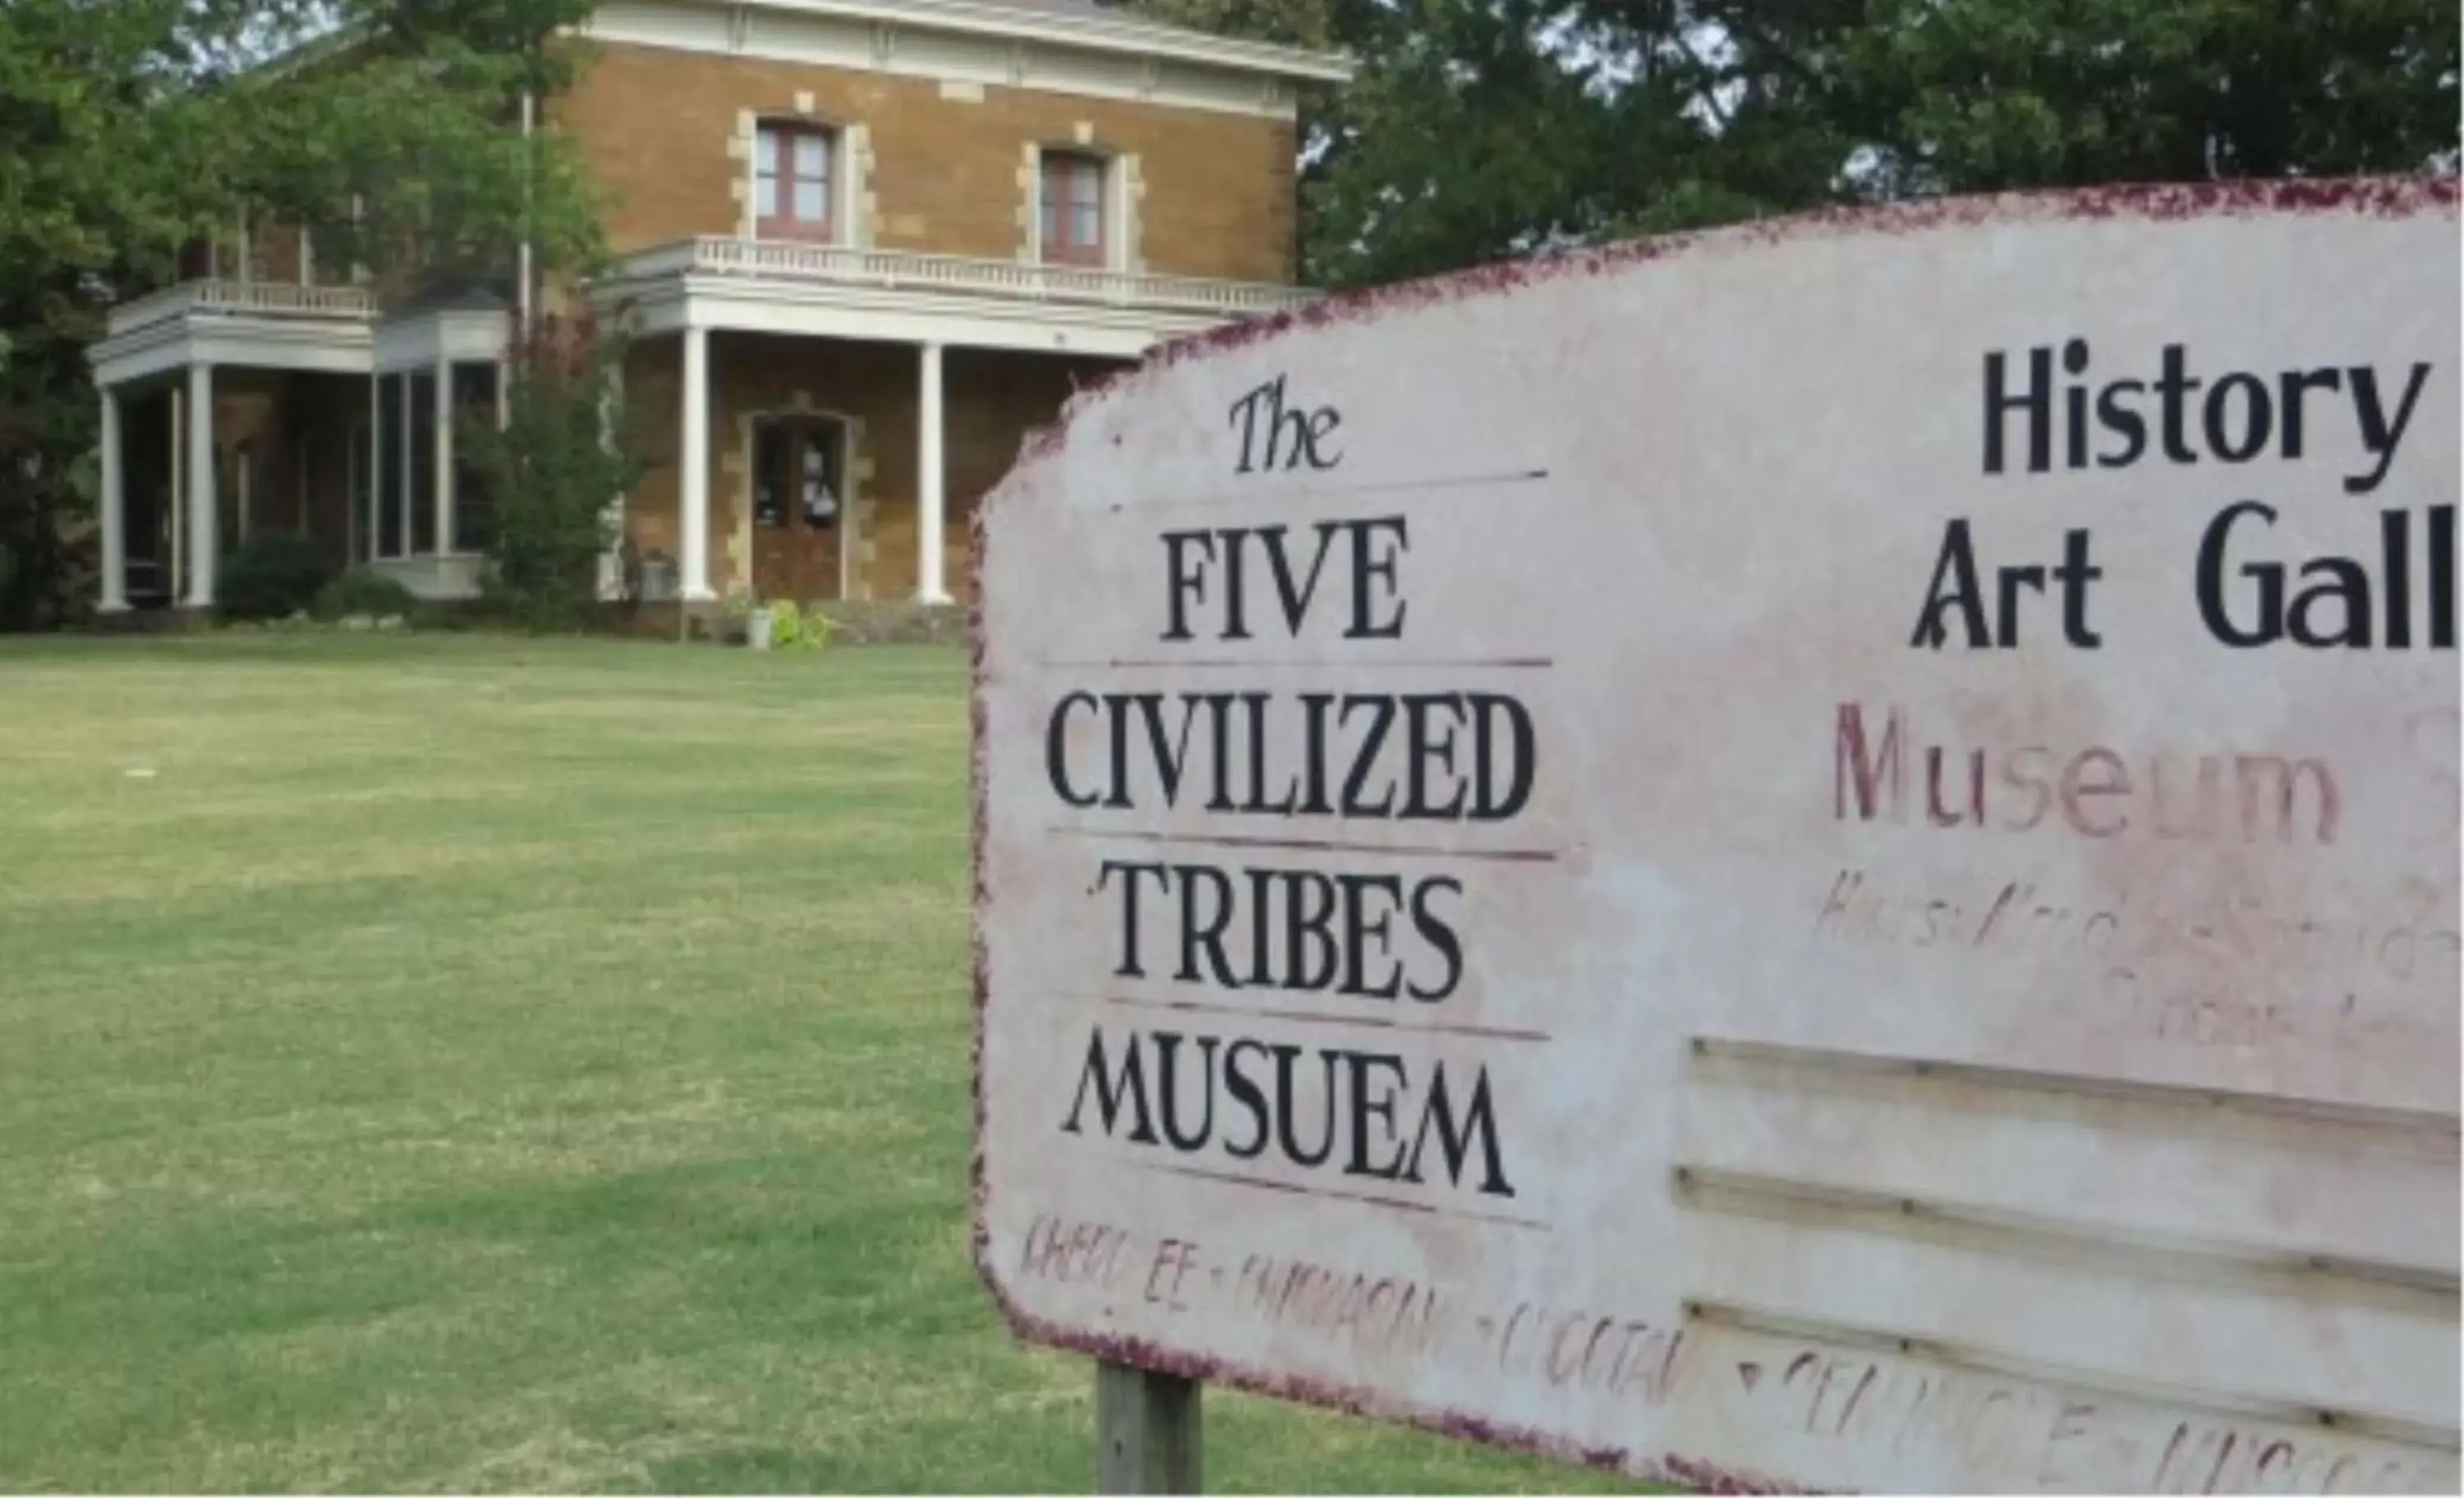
{"x":230,"y":408}
{"x":818,"y":421}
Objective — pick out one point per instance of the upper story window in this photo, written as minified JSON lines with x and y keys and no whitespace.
{"x":795,"y":170}
{"x":1073,"y":228}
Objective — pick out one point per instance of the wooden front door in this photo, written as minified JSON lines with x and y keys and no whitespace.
{"x":799,"y":506}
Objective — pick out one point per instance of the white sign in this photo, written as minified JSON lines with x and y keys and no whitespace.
{"x":1824,"y":854}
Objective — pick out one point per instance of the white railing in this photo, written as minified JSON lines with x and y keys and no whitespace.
{"x":245,"y":299}
{"x":791,"y":260}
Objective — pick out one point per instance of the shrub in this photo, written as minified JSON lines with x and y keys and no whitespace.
{"x":272,"y":575}
{"x":361,"y":591}
{"x":792,"y":630}
{"x":567,"y":454}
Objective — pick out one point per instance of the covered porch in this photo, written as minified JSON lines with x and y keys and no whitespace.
{"x":230,"y":408}
{"x":896,"y":380}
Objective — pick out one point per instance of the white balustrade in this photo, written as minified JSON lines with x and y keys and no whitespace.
{"x":250,"y":298}
{"x":766,"y":259}
{"x":791,"y":260}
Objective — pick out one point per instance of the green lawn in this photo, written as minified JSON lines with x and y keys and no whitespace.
{"x":445,"y":1063}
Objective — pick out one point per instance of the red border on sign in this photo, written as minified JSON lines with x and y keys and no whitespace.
{"x":2372,"y":197}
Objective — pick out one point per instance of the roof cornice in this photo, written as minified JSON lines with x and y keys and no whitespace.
{"x":1093,"y":34}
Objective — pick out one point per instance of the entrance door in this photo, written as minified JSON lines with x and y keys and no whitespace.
{"x":799,"y":506}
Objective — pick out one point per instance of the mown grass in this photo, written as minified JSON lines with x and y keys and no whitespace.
{"x":453,"y":1062}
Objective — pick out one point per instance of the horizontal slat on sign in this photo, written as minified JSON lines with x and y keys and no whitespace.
{"x":2427,"y":1437}
{"x":2093,"y":1308}
{"x":2268,"y":1175}
{"x":2413,"y":1290}
{"x":1949,"y":1203}
{"x":2412,"y":1120}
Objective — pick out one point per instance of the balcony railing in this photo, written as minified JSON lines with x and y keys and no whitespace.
{"x":247,"y":299}
{"x":792,"y":261}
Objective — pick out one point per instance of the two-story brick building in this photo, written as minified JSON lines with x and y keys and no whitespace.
{"x":866,"y":246}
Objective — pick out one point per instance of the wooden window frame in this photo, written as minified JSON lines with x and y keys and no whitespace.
{"x":782,"y":222}
{"x":1068,"y":170}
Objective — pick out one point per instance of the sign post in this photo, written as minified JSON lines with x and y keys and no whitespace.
{"x":1146,"y":1431}
{"x":1822,"y":855}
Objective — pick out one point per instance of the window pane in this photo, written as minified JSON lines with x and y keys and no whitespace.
{"x":388,"y":473}
{"x":422,"y":499}
{"x":1051,"y":220}
{"x":811,"y":202}
{"x":363,"y":474}
{"x":769,"y":457}
{"x":765,"y":197}
{"x":812,"y":156}
{"x":1086,"y":225}
{"x":474,"y":511}
{"x":1087,"y":184}
{"x":819,"y":485}
{"x":766,"y":151}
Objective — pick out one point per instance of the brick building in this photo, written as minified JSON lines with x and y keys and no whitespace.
{"x":865,"y":246}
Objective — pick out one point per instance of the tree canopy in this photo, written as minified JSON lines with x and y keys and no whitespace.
{"x":1480,"y":129}
{"x":130,"y":129}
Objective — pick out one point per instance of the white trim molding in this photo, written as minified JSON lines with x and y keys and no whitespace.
{"x":960,"y":42}
{"x":320,"y":329}
{"x":420,"y":341}
{"x":790,"y":286}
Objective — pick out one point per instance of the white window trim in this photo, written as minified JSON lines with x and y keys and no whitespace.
{"x":1116,"y":192}
{"x":849,"y":143}
{"x":1033,"y":253}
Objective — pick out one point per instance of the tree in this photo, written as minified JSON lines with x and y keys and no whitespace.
{"x":566,"y":453}
{"x":1482,"y":129}
{"x":131,"y":128}
{"x":1965,"y":95}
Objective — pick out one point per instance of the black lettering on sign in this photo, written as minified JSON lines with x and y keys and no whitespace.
{"x":2233,"y":418}
{"x":1293,"y":571}
{"x":1429,"y":756}
{"x":2249,"y":599}
{"x":1350,"y":1113}
{"x":1304,"y":930}
{"x":1269,"y":431}
{"x":1991,"y":622}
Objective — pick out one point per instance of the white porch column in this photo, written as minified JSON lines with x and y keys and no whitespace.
{"x":928,"y":587}
{"x":692,"y":467}
{"x":177,"y":521}
{"x":203,"y":542}
{"x":444,"y":407}
{"x":115,"y":512}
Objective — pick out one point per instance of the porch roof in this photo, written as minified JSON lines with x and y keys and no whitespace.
{"x":897,"y":296}
{"x":262,"y":325}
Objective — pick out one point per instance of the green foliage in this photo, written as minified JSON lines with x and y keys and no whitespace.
{"x":130,"y":129}
{"x":272,"y":575}
{"x":795,"y":629}
{"x":1984,"y":94}
{"x":1484,"y":129}
{"x":567,"y":453}
{"x":361,"y":591}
